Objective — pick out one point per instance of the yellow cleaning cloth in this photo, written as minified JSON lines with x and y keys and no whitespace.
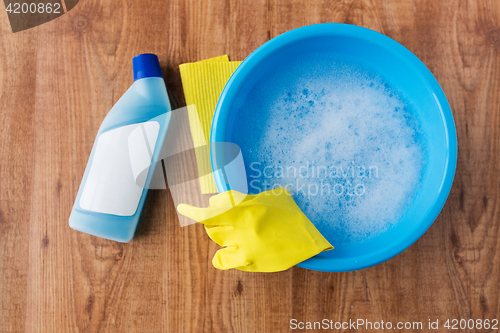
{"x":222,"y":58}
{"x":203,"y":82}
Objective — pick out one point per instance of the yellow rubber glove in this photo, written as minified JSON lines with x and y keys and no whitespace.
{"x":266,"y":232}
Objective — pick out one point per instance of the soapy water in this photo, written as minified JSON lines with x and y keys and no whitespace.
{"x":339,"y":138}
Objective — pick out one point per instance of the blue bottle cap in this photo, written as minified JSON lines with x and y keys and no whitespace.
{"x":146,"y":65}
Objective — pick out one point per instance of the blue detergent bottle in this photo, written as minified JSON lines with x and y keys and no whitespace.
{"x":123,"y":159}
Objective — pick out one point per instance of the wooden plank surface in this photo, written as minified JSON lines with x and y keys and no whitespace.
{"x":57,"y":82}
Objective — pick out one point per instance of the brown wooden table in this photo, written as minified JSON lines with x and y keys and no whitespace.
{"x":57,"y":82}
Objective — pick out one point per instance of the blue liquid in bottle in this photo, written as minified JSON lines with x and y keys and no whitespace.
{"x":123,"y":159}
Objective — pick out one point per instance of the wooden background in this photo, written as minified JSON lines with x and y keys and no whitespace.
{"x":57,"y":82}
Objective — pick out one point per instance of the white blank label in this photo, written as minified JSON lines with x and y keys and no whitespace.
{"x":121,"y":154}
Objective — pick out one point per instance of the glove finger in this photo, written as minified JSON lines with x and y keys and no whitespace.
{"x":228,"y":198}
{"x":204,"y":215}
{"x":219,"y":199}
{"x":194,"y":213}
{"x":220,"y":234}
{"x":230,"y":257}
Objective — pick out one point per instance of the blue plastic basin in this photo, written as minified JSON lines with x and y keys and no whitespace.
{"x":404,"y":71}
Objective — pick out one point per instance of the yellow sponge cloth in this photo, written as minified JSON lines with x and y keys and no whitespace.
{"x":203,"y":82}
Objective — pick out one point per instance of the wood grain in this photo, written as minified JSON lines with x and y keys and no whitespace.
{"x":57,"y":82}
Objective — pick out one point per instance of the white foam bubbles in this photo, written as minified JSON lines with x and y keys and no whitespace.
{"x":347,"y":147}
